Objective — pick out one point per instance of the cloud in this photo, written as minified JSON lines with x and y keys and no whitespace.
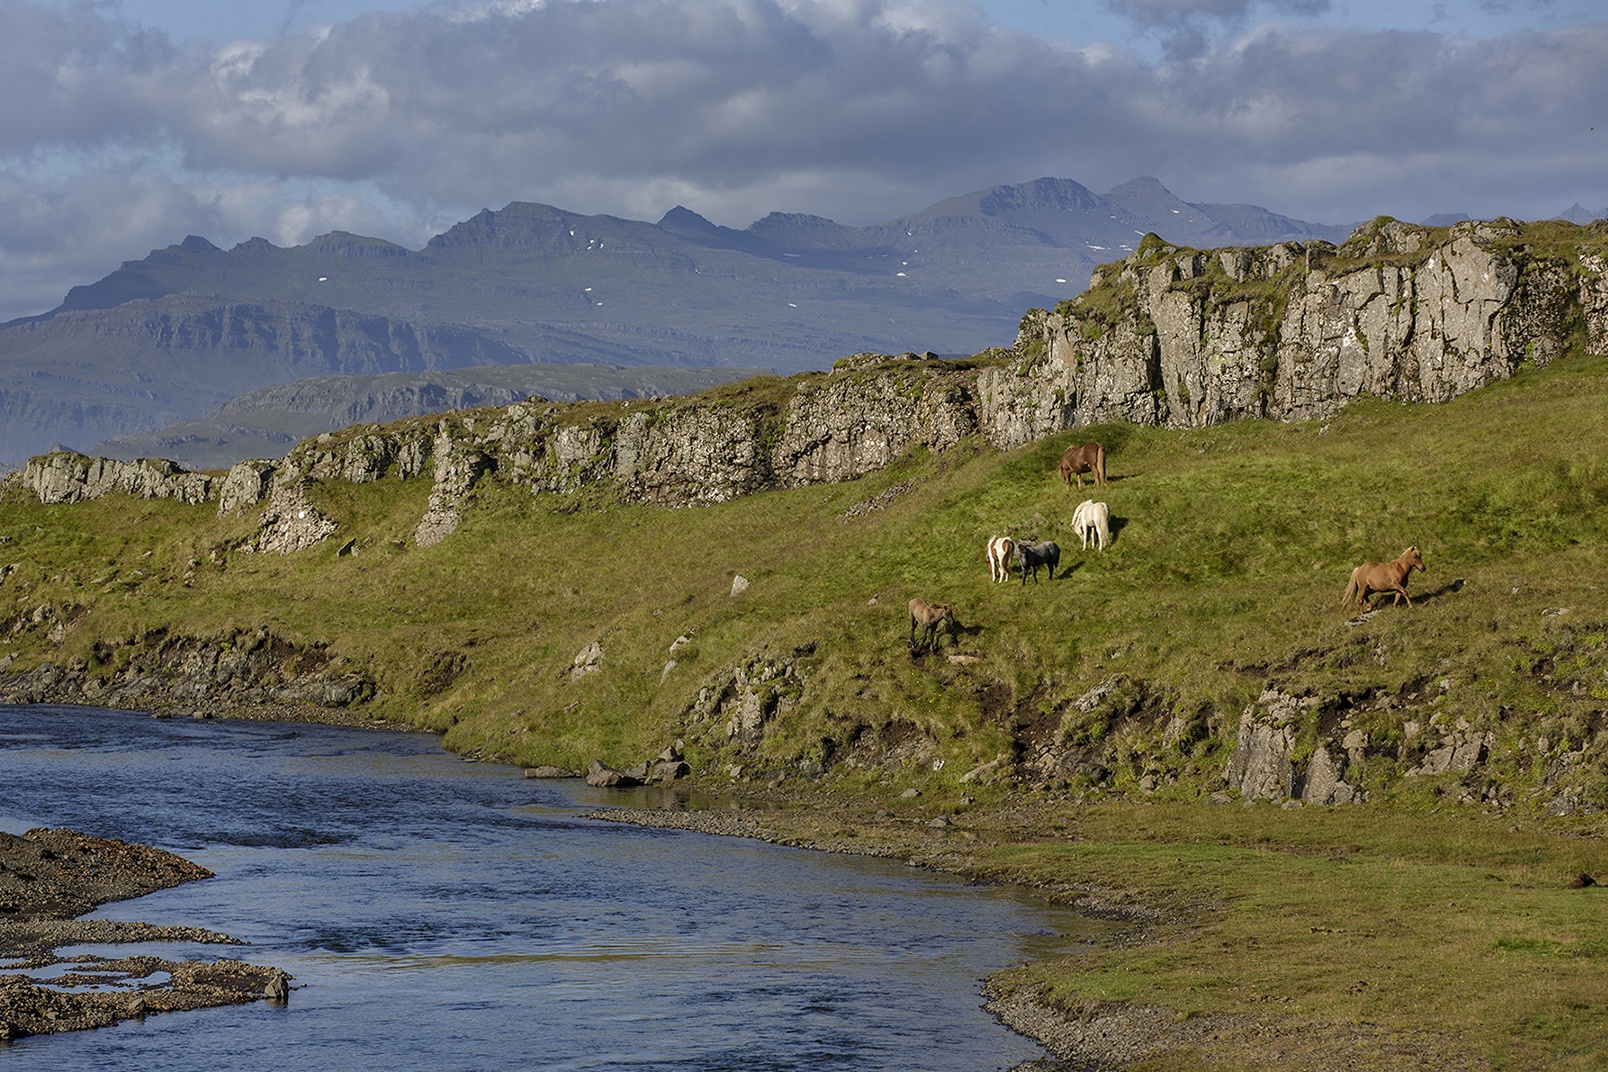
{"x":1187,"y":27}
{"x":862,"y":110}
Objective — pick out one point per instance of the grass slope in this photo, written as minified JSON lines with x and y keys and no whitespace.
{"x":1232,"y":547}
{"x":1439,"y":912}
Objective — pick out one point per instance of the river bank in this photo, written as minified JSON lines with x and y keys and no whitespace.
{"x":49,"y":877}
{"x":1083,"y":1031}
{"x":1104,"y":1037}
{"x":1240,"y":937}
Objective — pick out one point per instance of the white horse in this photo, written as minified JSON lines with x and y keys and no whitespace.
{"x":1092,"y":519}
{"x":1000,"y":549}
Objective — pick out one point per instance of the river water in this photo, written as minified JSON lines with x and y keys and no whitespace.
{"x":445,"y":915}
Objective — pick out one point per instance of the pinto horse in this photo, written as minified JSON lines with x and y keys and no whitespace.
{"x":1371,"y":577}
{"x":1089,"y":458}
{"x":1000,"y":549}
{"x":929,"y":616}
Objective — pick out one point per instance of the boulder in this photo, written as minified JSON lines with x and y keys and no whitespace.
{"x":605,"y":777}
{"x":548,"y":771}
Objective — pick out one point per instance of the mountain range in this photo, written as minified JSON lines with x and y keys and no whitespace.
{"x":192,"y":327}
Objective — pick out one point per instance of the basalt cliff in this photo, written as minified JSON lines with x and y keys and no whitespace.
{"x":1169,"y":336}
{"x":1185,"y":338}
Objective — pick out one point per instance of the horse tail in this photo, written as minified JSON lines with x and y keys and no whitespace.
{"x":1351,"y":592}
{"x":1099,"y":463}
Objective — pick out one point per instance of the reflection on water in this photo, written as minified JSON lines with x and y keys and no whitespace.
{"x":450,"y":915}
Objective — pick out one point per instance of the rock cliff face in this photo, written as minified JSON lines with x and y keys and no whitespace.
{"x":811,"y":429}
{"x":251,"y":672}
{"x":1168,"y":336}
{"x":65,"y":477}
{"x":1186,"y":338}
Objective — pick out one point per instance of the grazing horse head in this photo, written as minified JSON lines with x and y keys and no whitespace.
{"x":1030,"y":556}
{"x":1371,"y":577}
{"x":1089,"y":458}
{"x":1092,"y":519}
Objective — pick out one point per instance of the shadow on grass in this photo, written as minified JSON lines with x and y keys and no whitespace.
{"x":950,"y":639}
{"x":1379,"y":602}
{"x":1445,"y":589}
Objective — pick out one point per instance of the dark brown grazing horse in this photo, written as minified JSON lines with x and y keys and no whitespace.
{"x":1089,"y":458}
{"x":1030,"y":556}
{"x":929,"y":616}
{"x":1371,"y":577}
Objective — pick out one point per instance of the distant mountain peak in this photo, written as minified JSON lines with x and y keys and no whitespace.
{"x":1056,"y":195}
{"x":1578,"y":213}
{"x":1146,"y":196}
{"x":685,"y":217}
{"x":1146,"y":184}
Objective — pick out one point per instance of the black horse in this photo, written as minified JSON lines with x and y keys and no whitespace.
{"x":1030,"y":556}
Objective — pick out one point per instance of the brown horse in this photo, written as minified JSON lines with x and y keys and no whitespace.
{"x":929,"y":616}
{"x":1089,"y":458}
{"x":1371,"y":577}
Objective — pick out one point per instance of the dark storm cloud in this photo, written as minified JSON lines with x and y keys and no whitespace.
{"x":856,"y":109}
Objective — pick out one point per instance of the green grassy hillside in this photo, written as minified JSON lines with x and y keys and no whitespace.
{"x":1435,"y":926}
{"x":1232,"y":547}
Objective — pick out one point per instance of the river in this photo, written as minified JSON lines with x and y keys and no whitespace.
{"x":439,"y":914}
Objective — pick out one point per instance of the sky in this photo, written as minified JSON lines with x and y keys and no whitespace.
{"x":127,"y":125}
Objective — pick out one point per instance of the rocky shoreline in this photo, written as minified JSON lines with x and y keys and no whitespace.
{"x":50,"y":877}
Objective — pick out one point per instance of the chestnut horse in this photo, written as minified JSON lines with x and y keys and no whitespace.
{"x":1089,"y":458}
{"x":1000,"y":550}
{"x":1371,"y":577}
{"x":929,"y":616}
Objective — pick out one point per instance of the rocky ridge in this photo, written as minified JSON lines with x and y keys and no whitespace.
{"x":250,"y":674}
{"x":1186,"y":338}
{"x":1167,"y":336}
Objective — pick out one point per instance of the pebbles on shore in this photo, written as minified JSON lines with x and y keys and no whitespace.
{"x":48,"y":877}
